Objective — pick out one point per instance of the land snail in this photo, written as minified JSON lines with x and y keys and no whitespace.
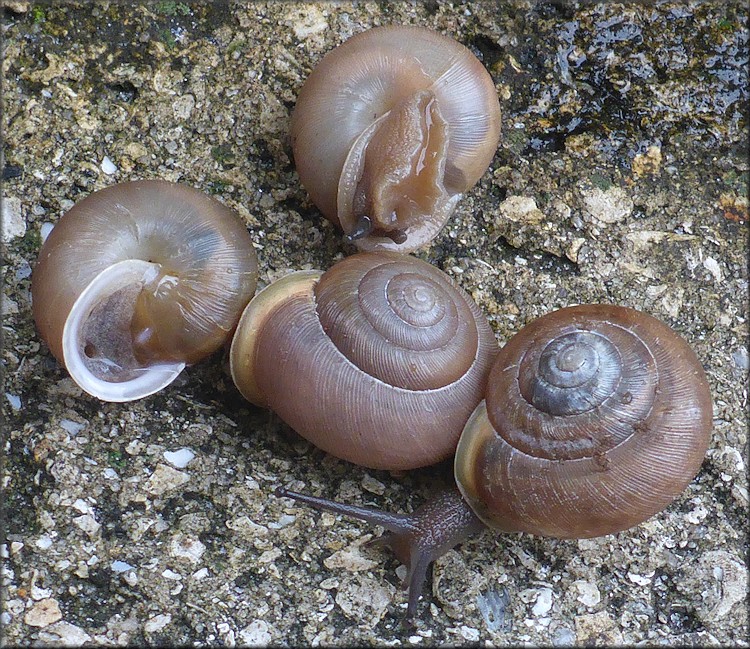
{"x":390,"y":129}
{"x":595,"y":418}
{"x":138,"y":280}
{"x":379,"y":361}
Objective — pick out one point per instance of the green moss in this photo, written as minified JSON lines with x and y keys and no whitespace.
{"x":223,"y":154}
{"x":166,"y":37}
{"x":38,"y":15}
{"x":117,"y":460}
{"x":216,"y":187}
{"x":172,"y":8}
{"x":30,"y":243}
{"x":725,"y":25}
{"x":234,"y":46}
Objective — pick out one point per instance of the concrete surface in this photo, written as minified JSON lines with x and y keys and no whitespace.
{"x":622,"y":177}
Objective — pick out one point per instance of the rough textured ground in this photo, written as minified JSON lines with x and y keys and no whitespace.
{"x":621,"y":177}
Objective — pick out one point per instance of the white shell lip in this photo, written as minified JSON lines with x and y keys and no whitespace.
{"x":138,"y":381}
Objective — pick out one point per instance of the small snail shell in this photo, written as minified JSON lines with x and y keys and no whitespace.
{"x":596,"y":417}
{"x":390,"y":129}
{"x":378,"y":361}
{"x":136,"y":281}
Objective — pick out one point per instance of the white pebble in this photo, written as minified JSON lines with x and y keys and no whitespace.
{"x":256,"y":634}
{"x":200,"y":574}
{"x":187,"y":548}
{"x":543,"y":602}
{"x":157,"y":623}
{"x":13,"y":222}
{"x":108,"y":167}
{"x":170,"y":574}
{"x":179,"y":459}
{"x":641,"y":580}
{"x":45,"y":230}
{"x":43,"y":542}
{"x":469,"y":633}
{"x":63,"y":634}
{"x":72,"y":427}
{"x":121,"y":566}
{"x":14,"y":401}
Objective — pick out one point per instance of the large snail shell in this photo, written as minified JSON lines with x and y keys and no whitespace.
{"x":596,"y":418}
{"x":139,"y":279}
{"x":378,"y":361}
{"x":390,"y":129}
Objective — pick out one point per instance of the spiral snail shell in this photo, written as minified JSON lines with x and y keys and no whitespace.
{"x":390,"y":129}
{"x":378,"y":361}
{"x":136,"y":281}
{"x":595,"y":418}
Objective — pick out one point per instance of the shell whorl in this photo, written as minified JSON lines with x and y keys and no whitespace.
{"x":154,"y":275}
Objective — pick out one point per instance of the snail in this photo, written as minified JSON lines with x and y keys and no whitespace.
{"x":379,"y":361}
{"x":390,"y":129}
{"x":138,"y":280}
{"x":595,"y":418}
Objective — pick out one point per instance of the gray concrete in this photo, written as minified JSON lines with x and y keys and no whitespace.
{"x":621,"y":177}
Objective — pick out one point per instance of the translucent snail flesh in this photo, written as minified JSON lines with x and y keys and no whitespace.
{"x":378,"y":361}
{"x":596,"y":417}
{"x":139,"y":279}
{"x":390,"y":129}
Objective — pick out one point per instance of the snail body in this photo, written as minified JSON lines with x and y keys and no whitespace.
{"x":378,"y":361}
{"x":595,"y":418}
{"x":138,"y":280}
{"x":390,"y":129}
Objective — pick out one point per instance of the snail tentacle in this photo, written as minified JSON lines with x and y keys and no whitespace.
{"x":595,"y":418}
{"x":416,"y":539}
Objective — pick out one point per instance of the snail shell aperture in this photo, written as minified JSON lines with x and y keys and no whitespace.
{"x":390,"y":129}
{"x":139,"y":279}
{"x":378,"y":361}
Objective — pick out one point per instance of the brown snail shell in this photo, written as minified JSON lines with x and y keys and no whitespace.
{"x":138,"y":280}
{"x":596,"y":417}
{"x":378,"y":361}
{"x":390,"y":129}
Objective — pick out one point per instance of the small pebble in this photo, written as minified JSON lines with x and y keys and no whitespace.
{"x":14,"y":225}
{"x":121,"y":566}
{"x":43,"y":613}
{"x":108,"y":167}
{"x":179,"y":459}
{"x":157,"y":623}
{"x":14,"y":401}
{"x":45,"y":230}
{"x":72,"y":427}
